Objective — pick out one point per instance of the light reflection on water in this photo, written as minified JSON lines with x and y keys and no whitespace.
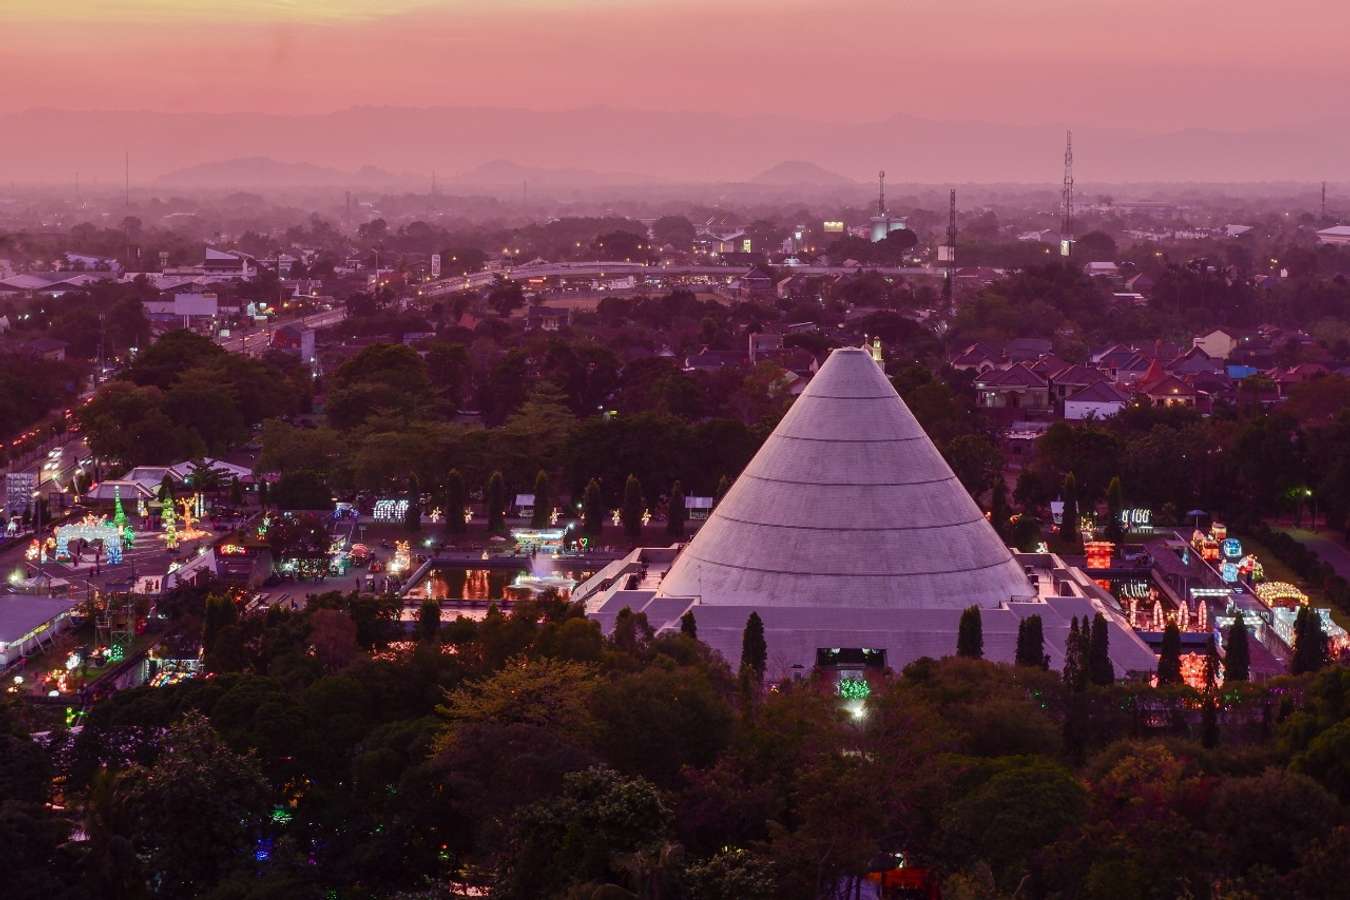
{"x":460,"y":583}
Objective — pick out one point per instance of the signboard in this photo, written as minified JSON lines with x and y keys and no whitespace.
{"x":833,"y":227}
{"x":946,"y":253}
{"x":19,"y":488}
{"x":1064,"y":247}
{"x":1139,"y":518}
{"x":435,"y":265}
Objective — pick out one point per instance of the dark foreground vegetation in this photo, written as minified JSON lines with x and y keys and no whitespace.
{"x":529,"y":756}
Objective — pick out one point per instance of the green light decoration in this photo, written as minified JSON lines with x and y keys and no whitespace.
{"x":854,"y":688}
{"x":281,"y":815}
{"x":116,"y":653}
{"x":170,"y":521}
{"x":120,"y":518}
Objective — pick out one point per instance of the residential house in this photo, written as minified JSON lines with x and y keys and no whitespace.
{"x":979,"y":357}
{"x":1218,"y":344}
{"x":1016,"y":387}
{"x":1100,"y":400}
{"x":1027,"y":349}
{"x":1071,"y":380}
{"x":1195,"y":361}
{"x":1162,"y":389}
{"x":547,"y":318}
{"x":764,"y":342}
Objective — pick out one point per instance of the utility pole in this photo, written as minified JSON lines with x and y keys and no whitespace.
{"x":126,"y":199}
{"x":1324,"y":202}
{"x":1066,"y":230}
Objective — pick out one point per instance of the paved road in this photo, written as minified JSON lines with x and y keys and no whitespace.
{"x":256,"y":342}
{"x":1326,"y":544}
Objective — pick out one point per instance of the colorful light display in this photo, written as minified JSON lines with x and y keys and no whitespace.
{"x":854,"y":688}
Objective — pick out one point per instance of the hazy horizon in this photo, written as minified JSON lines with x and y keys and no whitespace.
{"x":962,"y":91}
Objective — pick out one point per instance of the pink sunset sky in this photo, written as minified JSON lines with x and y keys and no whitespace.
{"x":1143,"y":64}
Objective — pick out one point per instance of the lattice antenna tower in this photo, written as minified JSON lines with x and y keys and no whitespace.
{"x":1066,"y":230}
{"x":881,"y":195}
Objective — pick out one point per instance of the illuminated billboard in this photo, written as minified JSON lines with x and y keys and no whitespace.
{"x":833,"y":227}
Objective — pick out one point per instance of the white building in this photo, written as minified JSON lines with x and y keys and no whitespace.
{"x":853,"y":540}
{"x":27,"y":623}
{"x":1096,"y":401}
{"x":1336,"y":235}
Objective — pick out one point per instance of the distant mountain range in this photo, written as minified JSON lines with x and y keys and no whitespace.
{"x":795,"y":172}
{"x":595,"y":146}
{"x":265,"y":172}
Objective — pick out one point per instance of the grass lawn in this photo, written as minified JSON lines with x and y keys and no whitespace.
{"x":1276,"y":570}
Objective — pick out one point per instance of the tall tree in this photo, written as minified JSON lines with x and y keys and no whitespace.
{"x":1031,"y":644}
{"x":1075,"y":657}
{"x":689,"y":625}
{"x":754,"y":649}
{"x":495,"y":497}
{"x":412,"y":519}
{"x":631,"y":512}
{"x":1169,"y":657}
{"x":1237,"y":654}
{"x":543,"y":501}
{"x":675,"y":512}
{"x":593,"y":508}
{"x":456,"y":499}
{"x":1100,"y":670}
{"x":195,"y":770}
{"x":723,"y":485}
{"x":1310,"y":642}
{"x":1115,"y":505}
{"x":428,"y":620}
{"x":970,"y":634}
{"x":1068,"y":528}
{"x":998,"y":509}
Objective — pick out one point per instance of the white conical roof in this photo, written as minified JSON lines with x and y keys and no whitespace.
{"x":848,"y":504}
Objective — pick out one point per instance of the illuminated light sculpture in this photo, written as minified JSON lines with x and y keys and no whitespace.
{"x":170,"y":523}
{"x":402,"y":557}
{"x":390,"y":510}
{"x":90,"y":528}
{"x":554,"y":516}
{"x":1099,"y":554}
{"x":436,"y":516}
{"x":1183,"y":616}
{"x":1232,"y":548}
{"x":1219,"y":531}
{"x":34,"y":552}
{"x":646,"y":517}
{"x":1193,"y":666}
{"x":120,"y":518}
{"x":190,"y":507}
{"x":1280,"y":593}
{"x":616,"y":516}
{"x":854,"y":688}
{"x":468,"y":515}
{"x":1228,"y":571}
{"x":1157,"y":617}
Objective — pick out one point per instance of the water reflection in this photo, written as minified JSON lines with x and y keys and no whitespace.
{"x":460,"y":583}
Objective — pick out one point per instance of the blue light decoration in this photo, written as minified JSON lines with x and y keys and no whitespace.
{"x":1232,"y":548}
{"x":263,"y":851}
{"x":1228,"y":571}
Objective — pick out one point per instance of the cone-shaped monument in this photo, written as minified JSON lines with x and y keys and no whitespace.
{"x":848,"y":504}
